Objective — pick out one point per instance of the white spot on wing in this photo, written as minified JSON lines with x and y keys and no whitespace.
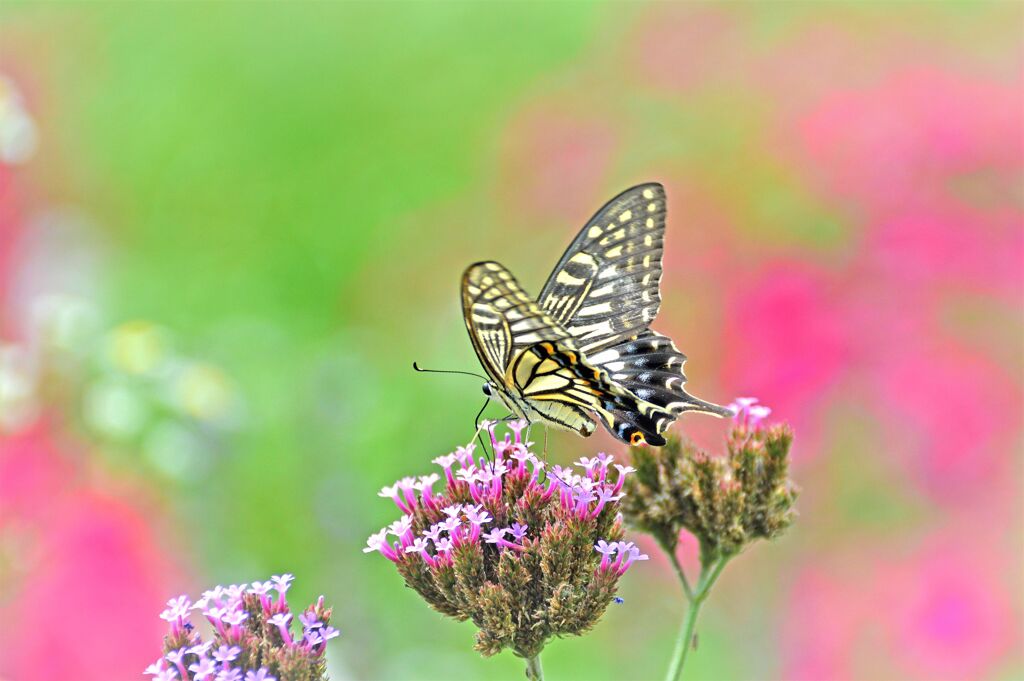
{"x":604,"y":356}
{"x":591,"y":310}
{"x":591,"y":330}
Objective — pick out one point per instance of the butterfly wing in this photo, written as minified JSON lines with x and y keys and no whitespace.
{"x":543,"y":388}
{"x":605,"y":289}
{"x":501,"y":318}
{"x":552,"y":376}
{"x":503,"y":322}
{"x":651,"y":367}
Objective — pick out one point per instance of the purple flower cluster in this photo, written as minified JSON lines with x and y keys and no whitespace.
{"x":252,"y":638}
{"x":459,"y":547}
{"x":583,"y":496}
{"x":747,"y":412}
{"x":617,"y":556}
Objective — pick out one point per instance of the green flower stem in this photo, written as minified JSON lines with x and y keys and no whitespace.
{"x":679,"y":572}
{"x":534,"y":672}
{"x":708,"y":576}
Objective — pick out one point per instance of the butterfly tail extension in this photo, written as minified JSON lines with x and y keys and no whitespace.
{"x":651,"y":367}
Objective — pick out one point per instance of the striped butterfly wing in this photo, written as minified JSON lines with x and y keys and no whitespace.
{"x":606,"y":292}
{"x":605,"y":289}
{"x":651,"y":367}
{"x":501,"y":318}
{"x":553,"y":378}
{"x":503,"y":324}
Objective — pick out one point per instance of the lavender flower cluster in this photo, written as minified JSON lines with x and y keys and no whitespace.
{"x":252,"y":636}
{"x":523,"y":552}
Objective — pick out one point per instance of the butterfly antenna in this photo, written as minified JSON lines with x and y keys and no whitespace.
{"x":417,"y":367}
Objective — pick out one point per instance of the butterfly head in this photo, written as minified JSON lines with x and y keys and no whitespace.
{"x":488,"y":389}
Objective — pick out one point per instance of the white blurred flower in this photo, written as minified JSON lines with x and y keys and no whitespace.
{"x":115,"y":409}
{"x":18,"y":400}
{"x":18,"y":135}
{"x":64,"y":322}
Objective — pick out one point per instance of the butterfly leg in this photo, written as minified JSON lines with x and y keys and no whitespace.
{"x":479,"y":434}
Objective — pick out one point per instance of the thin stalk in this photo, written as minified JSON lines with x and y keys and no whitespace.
{"x":679,"y":572}
{"x":708,"y":576}
{"x":534,"y":671}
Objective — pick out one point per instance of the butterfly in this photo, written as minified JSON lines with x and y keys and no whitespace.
{"x":584,"y":347}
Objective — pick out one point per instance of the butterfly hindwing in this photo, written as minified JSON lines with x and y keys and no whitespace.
{"x":541,"y":383}
{"x":551,"y":372}
{"x":605,"y":289}
{"x":651,"y":367}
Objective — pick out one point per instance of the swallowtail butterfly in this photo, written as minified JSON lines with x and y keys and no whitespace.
{"x":584,"y":348}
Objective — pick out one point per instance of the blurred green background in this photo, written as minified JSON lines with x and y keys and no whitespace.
{"x":287,"y":194}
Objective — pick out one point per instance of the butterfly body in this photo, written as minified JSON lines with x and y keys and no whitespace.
{"x":583,"y":348}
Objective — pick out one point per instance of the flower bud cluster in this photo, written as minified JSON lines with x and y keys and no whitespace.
{"x":726,"y":502}
{"x":523,"y":552}
{"x":252,"y":639}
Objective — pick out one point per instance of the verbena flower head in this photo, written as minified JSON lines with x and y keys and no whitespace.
{"x":252,"y":636}
{"x":525,"y":555}
{"x":726,"y":502}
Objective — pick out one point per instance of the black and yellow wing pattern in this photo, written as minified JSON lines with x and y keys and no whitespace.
{"x":584,"y":346}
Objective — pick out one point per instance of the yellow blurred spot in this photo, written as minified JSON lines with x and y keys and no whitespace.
{"x":137,"y":347}
{"x":204,"y":392}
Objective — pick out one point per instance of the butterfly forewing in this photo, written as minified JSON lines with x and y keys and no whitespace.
{"x":501,"y":318}
{"x":605,"y":289}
